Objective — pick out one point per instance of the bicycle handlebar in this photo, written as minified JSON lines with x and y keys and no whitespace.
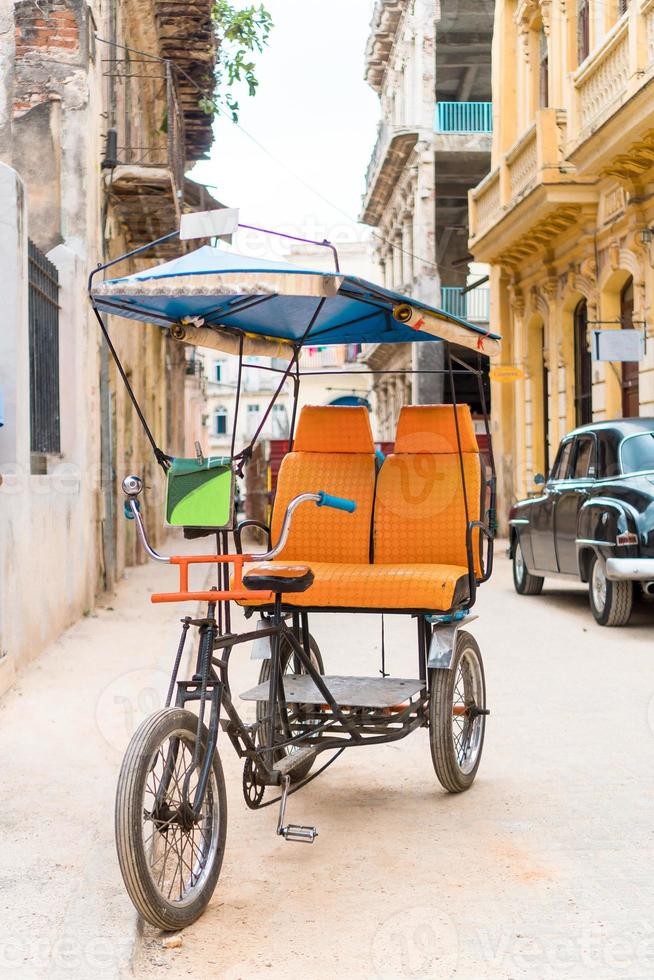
{"x":338,"y":503}
{"x":133,"y":486}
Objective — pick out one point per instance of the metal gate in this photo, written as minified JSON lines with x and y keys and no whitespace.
{"x":43,"y":280}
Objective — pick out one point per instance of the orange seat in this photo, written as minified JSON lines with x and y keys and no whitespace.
{"x":419,"y":536}
{"x":420,"y":512}
{"x":433,"y":588}
{"x":333,"y":451}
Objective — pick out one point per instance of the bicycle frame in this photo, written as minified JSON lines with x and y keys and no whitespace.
{"x":210,"y":682}
{"x":324,"y":727}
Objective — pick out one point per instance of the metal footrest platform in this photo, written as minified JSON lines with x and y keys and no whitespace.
{"x":359,"y":692}
{"x":294,"y":759}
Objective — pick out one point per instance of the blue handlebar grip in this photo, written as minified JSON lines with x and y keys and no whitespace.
{"x":338,"y":503}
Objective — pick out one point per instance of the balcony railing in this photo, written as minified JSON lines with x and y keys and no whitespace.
{"x":464,"y":117}
{"x":601,"y":82}
{"x":473,"y":305}
{"x":534,"y":159}
{"x":146,"y":119}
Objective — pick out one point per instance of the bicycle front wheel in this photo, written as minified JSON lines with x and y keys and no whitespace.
{"x":170,"y":857}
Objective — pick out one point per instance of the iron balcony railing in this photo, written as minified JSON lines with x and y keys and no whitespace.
{"x":473,"y":305}
{"x":464,"y":117}
{"x":146,"y":120}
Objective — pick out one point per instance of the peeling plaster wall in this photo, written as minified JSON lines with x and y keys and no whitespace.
{"x":47,"y":546}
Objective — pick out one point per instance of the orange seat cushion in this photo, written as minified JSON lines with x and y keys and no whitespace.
{"x":420,"y":512}
{"x":333,"y":429}
{"x":359,"y":586}
{"x":333,"y":451}
{"x":419,"y":509}
{"x":322,"y":533}
{"x":433,"y":429}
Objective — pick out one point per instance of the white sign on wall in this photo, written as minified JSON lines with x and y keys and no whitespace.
{"x":618,"y":345}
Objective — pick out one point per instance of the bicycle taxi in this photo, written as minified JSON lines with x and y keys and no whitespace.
{"x":350,"y":532}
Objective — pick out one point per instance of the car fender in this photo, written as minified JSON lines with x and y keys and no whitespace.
{"x":600,"y":521}
{"x":519,"y":529}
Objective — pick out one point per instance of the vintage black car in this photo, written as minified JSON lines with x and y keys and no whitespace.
{"x":594,"y":520}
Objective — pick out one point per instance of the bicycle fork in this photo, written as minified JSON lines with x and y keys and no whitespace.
{"x":207,"y":690}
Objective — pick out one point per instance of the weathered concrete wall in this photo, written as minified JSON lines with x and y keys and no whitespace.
{"x":47,"y":547}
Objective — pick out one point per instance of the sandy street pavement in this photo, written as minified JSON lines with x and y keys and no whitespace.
{"x":542,"y":870}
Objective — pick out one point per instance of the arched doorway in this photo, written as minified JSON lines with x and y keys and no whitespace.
{"x":583,"y":366}
{"x":630,"y":369}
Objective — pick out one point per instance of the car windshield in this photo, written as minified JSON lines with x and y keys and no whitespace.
{"x":637,"y":453}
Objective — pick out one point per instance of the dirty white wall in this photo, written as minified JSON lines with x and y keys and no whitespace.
{"x":47,"y":540}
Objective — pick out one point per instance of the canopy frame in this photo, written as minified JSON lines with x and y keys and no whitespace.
{"x":292,"y":370}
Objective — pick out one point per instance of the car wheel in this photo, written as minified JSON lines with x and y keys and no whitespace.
{"x":525,"y":583}
{"x":610,"y":601}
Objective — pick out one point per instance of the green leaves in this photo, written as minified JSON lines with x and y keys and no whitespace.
{"x":239,"y":34}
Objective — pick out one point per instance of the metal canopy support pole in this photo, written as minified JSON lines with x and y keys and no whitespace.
{"x":469,"y":551}
{"x":237,"y":401}
{"x":296,"y":395}
{"x":246,"y":453}
{"x":161,"y":457}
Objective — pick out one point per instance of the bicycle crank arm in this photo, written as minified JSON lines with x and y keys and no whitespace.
{"x":292,"y":831}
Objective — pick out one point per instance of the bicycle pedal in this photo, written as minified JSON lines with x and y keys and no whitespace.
{"x":298,"y":833}
{"x":294,"y":759}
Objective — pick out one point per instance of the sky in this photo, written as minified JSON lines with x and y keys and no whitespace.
{"x":317,"y":117}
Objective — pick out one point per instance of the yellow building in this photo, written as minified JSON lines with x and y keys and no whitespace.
{"x":564,"y":219}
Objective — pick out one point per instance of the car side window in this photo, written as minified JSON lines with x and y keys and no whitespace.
{"x":585,"y":465}
{"x":562,"y":464}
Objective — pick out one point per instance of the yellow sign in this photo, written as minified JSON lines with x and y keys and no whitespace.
{"x":506,"y":372}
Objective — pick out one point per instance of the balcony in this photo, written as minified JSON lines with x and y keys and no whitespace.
{"x":535,"y":163}
{"x":145,"y":151}
{"x":600,"y":83}
{"x":338,"y":356}
{"x":463,"y":117}
{"x":392,"y":150}
{"x":473,"y":305}
{"x":385,"y":19}
{"x":549,"y":174}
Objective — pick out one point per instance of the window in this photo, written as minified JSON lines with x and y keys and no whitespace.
{"x":637,"y":453}
{"x":543,"y":70}
{"x":252,"y":418}
{"x":561,"y":466}
{"x":630,"y":369}
{"x":43,"y":308}
{"x":220,"y":422}
{"x":219,"y":371}
{"x":583,"y":30}
{"x":584,"y":465}
{"x":280,"y":423}
{"x":583,"y":366}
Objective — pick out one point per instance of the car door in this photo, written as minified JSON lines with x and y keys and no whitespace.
{"x":572,"y":493}
{"x":542,"y":513}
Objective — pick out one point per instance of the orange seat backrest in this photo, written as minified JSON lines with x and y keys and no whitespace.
{"x":333,"y":451}
{"x":420,"y":514}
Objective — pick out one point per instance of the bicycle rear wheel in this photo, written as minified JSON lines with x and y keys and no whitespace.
{"x":170,"y":859}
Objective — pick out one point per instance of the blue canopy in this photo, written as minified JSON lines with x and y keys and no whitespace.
{"x":234,"y":294}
